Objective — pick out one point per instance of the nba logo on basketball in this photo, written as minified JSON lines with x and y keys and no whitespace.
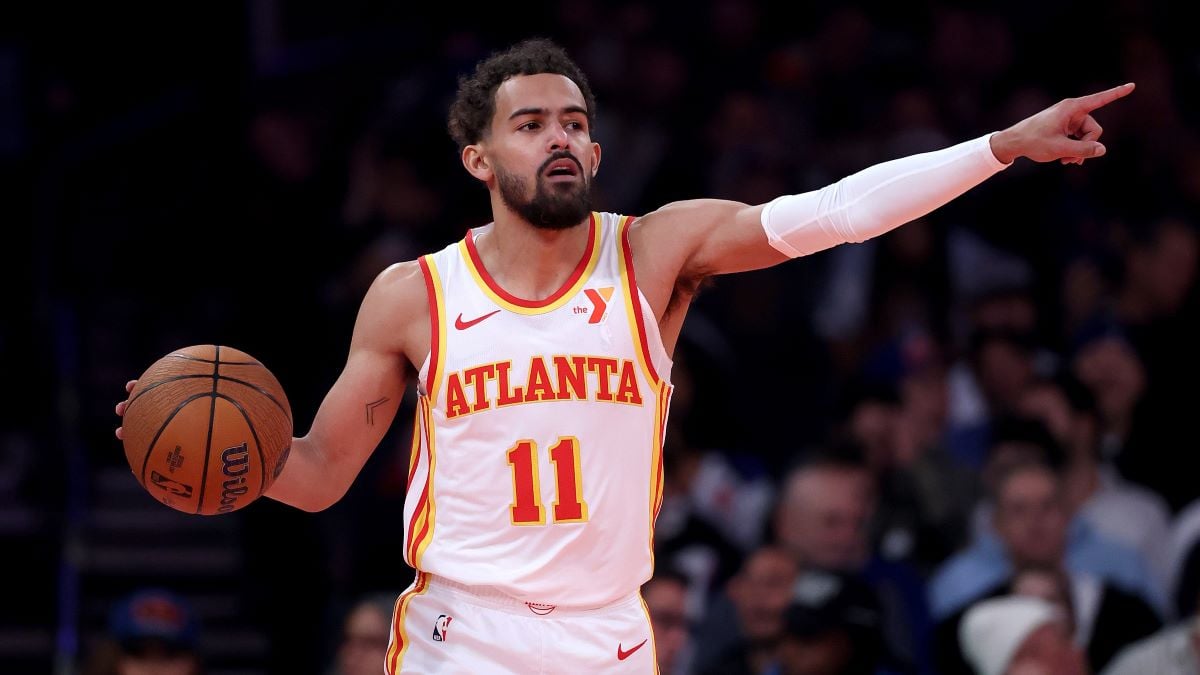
{"x":440,"y":627}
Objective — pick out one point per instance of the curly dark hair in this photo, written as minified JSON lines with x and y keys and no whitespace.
{"x":475,"y":103}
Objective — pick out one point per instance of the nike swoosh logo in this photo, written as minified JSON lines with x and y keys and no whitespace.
{"x":622,"y":654}
{"x":463,"y":325}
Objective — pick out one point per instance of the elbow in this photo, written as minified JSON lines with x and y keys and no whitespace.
{"x":317,"y":500}
{"x":310,"y":480}
{"x":311,"y":496}
{"x":314,"y":505}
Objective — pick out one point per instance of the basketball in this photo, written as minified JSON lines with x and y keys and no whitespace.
{"x":207,"y":429}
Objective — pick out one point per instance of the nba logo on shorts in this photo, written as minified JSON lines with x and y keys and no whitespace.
{"x":440,"y":627}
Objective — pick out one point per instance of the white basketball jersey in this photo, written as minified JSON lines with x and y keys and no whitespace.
{"x":537,"y":453}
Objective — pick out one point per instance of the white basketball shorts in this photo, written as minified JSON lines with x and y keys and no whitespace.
{"x":443,"y":627}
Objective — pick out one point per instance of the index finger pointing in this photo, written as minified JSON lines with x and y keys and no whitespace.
{"x":1103,"y":98}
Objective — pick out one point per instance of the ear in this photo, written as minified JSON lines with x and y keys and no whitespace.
{"x":595,"y":158}
{"x":476,"y":163}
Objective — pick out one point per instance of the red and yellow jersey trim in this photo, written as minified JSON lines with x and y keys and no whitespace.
{"x":420,"y":528}
{"x":425,"y":536}
{"x":572,"y":286}
{"x":399,"y":639}
{"x":653,"y":642}
{"x":437,"y":332}
{"x":662,"y":403}
{"x":415,"y":451}
{"x":633,"y":304}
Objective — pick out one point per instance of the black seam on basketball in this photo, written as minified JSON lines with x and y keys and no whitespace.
{"x":150,"y":448}
{"x":262,"y":463}
{"x":212,"y":413}
{"x":259,"y":389}
{"x":151,"y":386}
{"x":230,"y":363}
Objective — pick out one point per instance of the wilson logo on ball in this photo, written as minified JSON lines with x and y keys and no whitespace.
{"x":235,"y":461}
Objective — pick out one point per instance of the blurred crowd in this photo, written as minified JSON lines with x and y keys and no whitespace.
{"x":958,"y":448}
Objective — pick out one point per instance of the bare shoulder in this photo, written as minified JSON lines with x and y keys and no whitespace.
{"x":401,"y":284}
{"x":672,"y":234}
{"x":677,"y":228}
{"x":691,"y":213}
{"x":394,"y":315}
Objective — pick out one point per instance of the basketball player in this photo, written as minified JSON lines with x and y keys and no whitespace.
{"x":541,"y":346}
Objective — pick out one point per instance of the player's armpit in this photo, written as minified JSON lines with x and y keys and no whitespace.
{"x":362,"y":403}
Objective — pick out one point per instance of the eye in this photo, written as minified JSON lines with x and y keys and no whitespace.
{"x":529,"y":126}
{"x":574,"y":124}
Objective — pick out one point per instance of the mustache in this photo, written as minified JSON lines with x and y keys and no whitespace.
{"x":561,"y":154}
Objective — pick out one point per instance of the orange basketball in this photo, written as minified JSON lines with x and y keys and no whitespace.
{"x":207,"y":429}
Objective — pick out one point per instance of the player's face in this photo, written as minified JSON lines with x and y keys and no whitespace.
{"x":540,"y":150}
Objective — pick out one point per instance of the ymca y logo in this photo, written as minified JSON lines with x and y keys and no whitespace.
{"x":599,"y":298}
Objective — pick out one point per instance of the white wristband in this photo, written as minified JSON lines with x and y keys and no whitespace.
{"x":877,"y":199}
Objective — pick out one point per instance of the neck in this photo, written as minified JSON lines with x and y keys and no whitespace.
{"x":1080,"y":482}
{"x":528,"y":261}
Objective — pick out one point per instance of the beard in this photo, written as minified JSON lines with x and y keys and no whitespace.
{"x":554,"y":206}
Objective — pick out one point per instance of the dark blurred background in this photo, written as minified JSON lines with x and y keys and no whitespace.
{"x":238,"y":173}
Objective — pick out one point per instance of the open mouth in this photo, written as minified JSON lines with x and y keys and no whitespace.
{"x":562,"y":170}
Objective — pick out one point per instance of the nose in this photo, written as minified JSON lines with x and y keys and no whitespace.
{"x":557,"y":137}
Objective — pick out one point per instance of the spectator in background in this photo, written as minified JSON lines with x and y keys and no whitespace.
{"x":1100,"y":617}
{"x":1160,"y":275}
{"x":1157,"y":313}
{"x":1183,"y":560}
{"x":831,"y":628}
{"x":924,"y":496}
{"x":1053,"y":586}
{"x":1136,"y":433}
{"x":824,"y":522}
{"x":743,"y":628}
{"x":1173,"y":651}
{"x":1001,"y":366}
{"x":996,"y":303}
{"x":1123,"y":512}
{"x":1033,"y":529}
{"x":685,"y":538}
{"x":1003,"y":362}
{"x":365,"y":635}
{"x":151,"y":632}
{"x":712,"y":511}
{"x":825,"y":512}
{"x":1014,"y":441}
{"x":665,"y":596}
{"x":1084,"y":290}
{"x":1107,"y":363}
{"x":1019,"y":636}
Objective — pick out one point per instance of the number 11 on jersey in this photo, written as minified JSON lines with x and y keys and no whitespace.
{"x":569,"y":506}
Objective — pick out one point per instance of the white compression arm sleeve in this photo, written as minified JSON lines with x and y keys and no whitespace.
{"x":877,"y":199}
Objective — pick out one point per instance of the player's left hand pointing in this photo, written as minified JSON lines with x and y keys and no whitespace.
{"x":1065,"y":131}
